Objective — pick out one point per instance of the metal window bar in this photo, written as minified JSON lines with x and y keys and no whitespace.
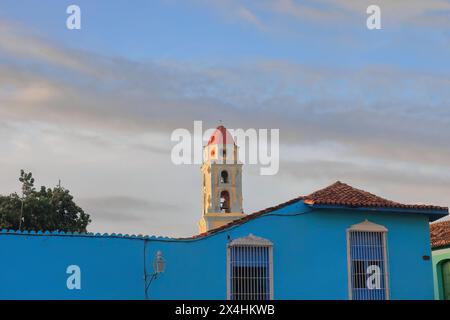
{"x":249,"y":272}
{"x":367,"y":256}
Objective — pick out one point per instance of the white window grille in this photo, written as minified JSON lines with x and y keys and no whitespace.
{"x":250,"y":269}
{"x":368,"y":274}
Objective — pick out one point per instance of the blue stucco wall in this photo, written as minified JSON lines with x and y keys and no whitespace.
{"x":34,"y":267}
{"x":310,"y":259}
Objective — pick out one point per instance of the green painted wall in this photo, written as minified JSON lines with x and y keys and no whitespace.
{"x":439,"y":256}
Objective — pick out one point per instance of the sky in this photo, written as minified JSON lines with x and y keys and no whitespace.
{"x":95,"y":108}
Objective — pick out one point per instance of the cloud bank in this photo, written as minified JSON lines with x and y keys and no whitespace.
{"x":103,"y":125}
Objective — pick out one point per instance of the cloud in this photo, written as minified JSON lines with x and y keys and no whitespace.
{"x":249,"y":16}
{"x":378,"y":111}
{"x":415,"y":12}
{"x":341,"y":13}
{"x":103,"y":124}
{"x":391,"y":181}
{"x":307,"y":10}
{"x":135,"y":215}
{"x":124,"y":187}
{"x":123,"y":208}
{"x":20,"y":42}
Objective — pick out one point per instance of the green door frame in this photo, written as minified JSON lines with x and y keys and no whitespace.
{"x":445,"y":276}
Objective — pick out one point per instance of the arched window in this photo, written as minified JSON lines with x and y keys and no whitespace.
{"x":224,"y":176}
{"x":225,"y":202}
{"x":367,"y":262}
{"x":250,"y":269}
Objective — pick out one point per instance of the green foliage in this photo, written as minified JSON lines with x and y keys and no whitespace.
{"x":46,"y":209}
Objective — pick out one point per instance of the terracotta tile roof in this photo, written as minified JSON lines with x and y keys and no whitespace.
{"x":342,"y":194}
{"x":339,"y":194}
{"x":440,"y":234}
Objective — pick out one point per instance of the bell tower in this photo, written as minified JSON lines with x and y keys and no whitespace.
{"x":222,"y":181}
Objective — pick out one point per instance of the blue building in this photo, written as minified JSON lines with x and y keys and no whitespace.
{"x":336,"y":243}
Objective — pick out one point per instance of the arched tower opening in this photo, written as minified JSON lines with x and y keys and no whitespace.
{"x":224,"y":176}
{"x":225,"y":201}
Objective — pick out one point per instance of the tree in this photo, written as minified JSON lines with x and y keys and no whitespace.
{"x":47,"y":209}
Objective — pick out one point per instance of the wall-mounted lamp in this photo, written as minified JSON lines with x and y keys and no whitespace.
{"x":159,"y":265}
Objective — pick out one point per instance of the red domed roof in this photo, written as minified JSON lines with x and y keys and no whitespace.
{"x":221,"y":136}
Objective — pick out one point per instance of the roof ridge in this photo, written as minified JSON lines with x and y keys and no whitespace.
{"x":339,"y":183}
{"x":340,"y":193}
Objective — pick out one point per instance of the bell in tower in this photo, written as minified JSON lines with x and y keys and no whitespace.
{"x":222,"y":181}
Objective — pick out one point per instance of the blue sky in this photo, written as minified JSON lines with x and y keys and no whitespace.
{"x":195,"y":31}
{"x":370,"y":108}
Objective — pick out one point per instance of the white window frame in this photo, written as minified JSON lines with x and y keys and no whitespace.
{"x":368,"y":226}
{"x":250,"y":241}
